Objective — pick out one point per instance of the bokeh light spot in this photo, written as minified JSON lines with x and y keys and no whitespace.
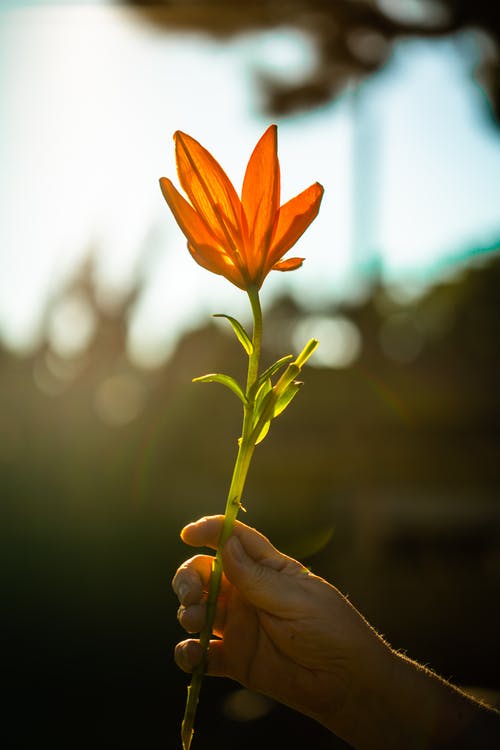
{"x":53,"y":374}
{"x":71,"y":326}
{"x":245,"y":705}
{"x":425,"y":12}
{"x":119,"y":399}
{"x":286,"y":54}
{"x":339,"y":340}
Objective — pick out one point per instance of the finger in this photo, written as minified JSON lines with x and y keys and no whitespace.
{"x":188,"y":654}
{"x":191,"y":579}
{"x":279,"y":588}
{"x":192,"y":618}
{"x":206,"y":532}
{"x":191,"y":583}
{"x":254,"y":566}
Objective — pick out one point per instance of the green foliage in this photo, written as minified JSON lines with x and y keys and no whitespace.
{"x":272,"y":370}
{"x":264,"y":400}
{"x":262,"y":432}
{"x":227,"y":380}
{"x":270,"y":400}
{"x":286,"y":397}
{"x":262,"y":395}
{"x":240,"y":332}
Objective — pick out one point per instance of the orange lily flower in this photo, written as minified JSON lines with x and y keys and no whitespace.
{"x":242,"y":240}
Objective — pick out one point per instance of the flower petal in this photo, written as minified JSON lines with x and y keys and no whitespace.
{"x":240,"y":240}
{"x":260,"y":197}
{"x":293,"y":220}
{"x":218,"y":262}
{"x":290,"y":264}
{"x":186,"y":217}
{"x":209,"y":189}
{"x":202,"y":245}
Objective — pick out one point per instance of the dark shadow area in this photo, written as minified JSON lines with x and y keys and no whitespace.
{"x":383,"y":476}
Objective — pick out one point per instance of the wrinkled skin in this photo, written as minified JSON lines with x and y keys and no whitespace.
{"x":289,"y":634}
{"x":283,"y":631}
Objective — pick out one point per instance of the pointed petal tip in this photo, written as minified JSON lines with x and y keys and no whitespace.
{"x":182,"y":139}
{"x":168,"y":189}
{"x":316,"y":192}
{"x":271,"y":132}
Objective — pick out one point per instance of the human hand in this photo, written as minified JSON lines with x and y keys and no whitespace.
{"x":281,"y":630}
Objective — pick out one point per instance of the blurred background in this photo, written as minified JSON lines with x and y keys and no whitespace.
{"x":383,"y":477}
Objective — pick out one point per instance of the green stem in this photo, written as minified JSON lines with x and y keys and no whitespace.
{"x":233,"y":504}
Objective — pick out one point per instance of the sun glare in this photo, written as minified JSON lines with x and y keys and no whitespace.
{"x":90,"y":100}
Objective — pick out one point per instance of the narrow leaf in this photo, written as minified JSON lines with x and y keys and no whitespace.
{"x":263,"y":411}
{"x":306,"y":352}
{"x":260,"y":398}
{"x":262,"y":434}
{"x":272,"y":369}
{"x":286,"y":397}
{"x":227,"y":380}
{"x":240,"y":332}
{"x":286,"y":378}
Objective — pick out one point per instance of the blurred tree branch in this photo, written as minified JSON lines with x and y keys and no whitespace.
{"x":352,"y":38}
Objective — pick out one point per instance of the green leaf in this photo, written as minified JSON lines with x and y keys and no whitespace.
{"x":286,"y":397}
{"x":262,"y":434}
{"x":260,"y":398}
{"x":240,"y":332}
{"x":287,"y":378}
{"x":264,"y":395}
{"x":267,"y":375}
{"x":227,"y":380}
{"x":306,"y":352}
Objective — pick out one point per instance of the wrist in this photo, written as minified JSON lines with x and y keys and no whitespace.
{"x":358,"y":707}
{"x":439,"y":713}
{"x":409,"y":706}
{"x":363,"y":719}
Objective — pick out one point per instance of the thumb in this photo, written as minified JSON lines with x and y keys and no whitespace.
{"x":270,"y":583}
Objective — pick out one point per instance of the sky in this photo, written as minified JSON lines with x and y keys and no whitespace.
{"x":90,"y":100}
